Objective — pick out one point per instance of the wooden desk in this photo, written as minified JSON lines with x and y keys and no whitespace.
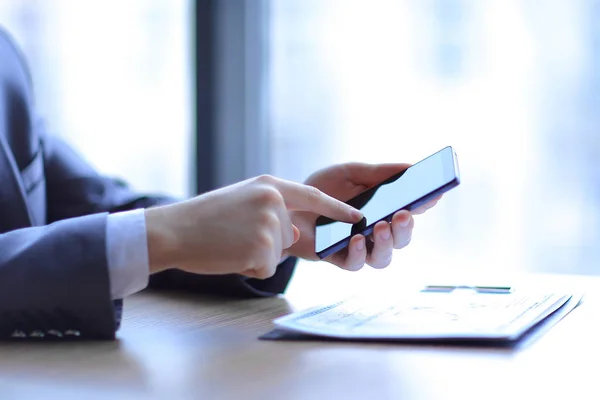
{"x":177,"y":346}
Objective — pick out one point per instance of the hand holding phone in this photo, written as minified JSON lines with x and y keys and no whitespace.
{"x":407,"y":190}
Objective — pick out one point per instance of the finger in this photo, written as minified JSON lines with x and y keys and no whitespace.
{"x":402,"y":226}
{"x":285,"y":253}
{"x":296,"y":234}
{"x":354,"y":258}
{"x":250,"y":273}
{"x":426,"y":206}
{"x":287,"y":229}
{"x":381,"y":255}
{"x":372,"y":174}
{"x":260,"y":273}
{"x":308,"y":198}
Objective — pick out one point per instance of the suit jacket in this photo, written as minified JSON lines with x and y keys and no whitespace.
{"x":54,"y":280}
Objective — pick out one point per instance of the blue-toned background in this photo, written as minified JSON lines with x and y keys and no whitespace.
{"x":512,"y":85}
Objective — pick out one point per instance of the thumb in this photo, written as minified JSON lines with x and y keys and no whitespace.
{"x":296,"y":234}
{"x":285,"y":253}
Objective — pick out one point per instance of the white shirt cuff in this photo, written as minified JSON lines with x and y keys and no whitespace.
{"x":127,"y":253}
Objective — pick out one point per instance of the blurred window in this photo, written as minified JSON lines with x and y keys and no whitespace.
{"x":113,"y":77}
{"x":513,"y":86}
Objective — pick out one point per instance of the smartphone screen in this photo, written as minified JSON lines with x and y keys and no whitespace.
{"x":407,"y":190}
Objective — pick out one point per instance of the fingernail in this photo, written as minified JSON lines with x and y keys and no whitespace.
{"x":386,"y":234}
{"x":405,"y":223}
{"x":360,"y":245}
{"x":356,"y":214}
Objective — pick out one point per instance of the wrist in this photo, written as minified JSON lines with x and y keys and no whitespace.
{"x":161,"y":241}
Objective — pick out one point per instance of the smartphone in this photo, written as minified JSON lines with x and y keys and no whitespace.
{"x":407,"y":190}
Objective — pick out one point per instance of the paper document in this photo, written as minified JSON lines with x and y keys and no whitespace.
{"x":462,"y":313}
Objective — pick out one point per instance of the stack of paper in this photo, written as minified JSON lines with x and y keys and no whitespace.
{"x":436,"y":312}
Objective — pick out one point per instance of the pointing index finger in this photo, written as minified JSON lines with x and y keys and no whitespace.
{"x":308,"y":198}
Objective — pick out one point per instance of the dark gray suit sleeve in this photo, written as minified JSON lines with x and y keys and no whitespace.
{"x":226,"y":285}
{"x":75,"y":189}
{"x":54,"y":281}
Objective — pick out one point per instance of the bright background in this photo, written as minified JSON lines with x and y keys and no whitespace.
{"x":510,"y":84}
{"x":114,"y":72}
